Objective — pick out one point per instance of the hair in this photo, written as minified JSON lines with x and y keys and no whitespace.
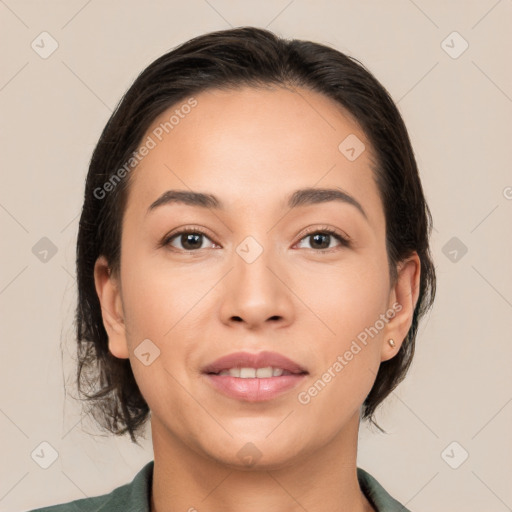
{"x":231,"y":59}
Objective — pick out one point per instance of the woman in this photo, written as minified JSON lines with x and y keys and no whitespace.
{"x":253,"y":261}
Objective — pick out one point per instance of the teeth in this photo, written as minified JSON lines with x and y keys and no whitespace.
{"x":264,"y":373}
{"x":252,"y":373}
{"x":246,"y":373}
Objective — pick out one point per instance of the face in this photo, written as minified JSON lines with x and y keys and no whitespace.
{"x":259,"y":272}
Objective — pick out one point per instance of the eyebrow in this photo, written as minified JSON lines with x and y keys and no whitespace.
{"x":299,"y":198}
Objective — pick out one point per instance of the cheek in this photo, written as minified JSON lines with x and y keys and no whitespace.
{"x":159,"y":303}
{"x":348,"y":362}
{"x":346,"y":298}
{"x":349,"y":302}
{"x":157,"y":295}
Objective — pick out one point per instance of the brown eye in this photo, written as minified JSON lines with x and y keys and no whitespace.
{"x":190,"y":240}
{"x":321,"y":239}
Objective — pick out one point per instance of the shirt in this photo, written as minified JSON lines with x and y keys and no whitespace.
{"x":135,"y":496}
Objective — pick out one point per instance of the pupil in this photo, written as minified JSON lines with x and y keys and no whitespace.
{"x":192,"y":240}
{"x":316,"y":237}
{"x":188,"y":238}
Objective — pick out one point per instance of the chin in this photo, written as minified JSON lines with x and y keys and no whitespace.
{"x":256,"y":455}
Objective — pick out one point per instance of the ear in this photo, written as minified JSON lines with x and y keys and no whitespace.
{"x":107,"y":288}
{"x":403,"y":298}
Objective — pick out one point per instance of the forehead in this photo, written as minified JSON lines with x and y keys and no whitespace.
{"x":251,"y":147}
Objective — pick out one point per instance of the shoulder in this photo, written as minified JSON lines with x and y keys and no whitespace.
{"x":377,"y":495}
{"x":131,"y":497}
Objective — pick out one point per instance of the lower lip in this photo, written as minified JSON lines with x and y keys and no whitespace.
{"x":254,"y":390}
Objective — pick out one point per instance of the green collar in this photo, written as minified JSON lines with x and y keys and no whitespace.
{"x":135,"y":496}
{"x":377,"y":495}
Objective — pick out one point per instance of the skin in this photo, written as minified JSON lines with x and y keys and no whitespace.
{"x":252,"y":148}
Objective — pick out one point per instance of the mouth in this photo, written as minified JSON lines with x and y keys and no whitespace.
{"x":248,"y":372}
{"x":254,"y":377}
{"x":247,"y":365}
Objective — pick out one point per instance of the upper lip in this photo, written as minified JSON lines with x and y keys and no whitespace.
{"x":248,"y":360}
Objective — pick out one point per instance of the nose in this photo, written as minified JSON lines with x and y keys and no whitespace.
{"x":257,"y":291}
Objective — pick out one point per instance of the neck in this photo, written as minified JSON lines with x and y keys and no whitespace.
{"x":325,"y":480}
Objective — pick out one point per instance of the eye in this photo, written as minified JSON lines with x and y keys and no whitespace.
{"x":190,"y":239}
{"x":321,"y":238}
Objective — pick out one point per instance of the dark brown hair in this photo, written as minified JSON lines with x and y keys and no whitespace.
{"x":234,"y":58}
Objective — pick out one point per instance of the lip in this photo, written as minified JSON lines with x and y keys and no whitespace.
{"x":258,"y":360}
{"x":254,"y":389}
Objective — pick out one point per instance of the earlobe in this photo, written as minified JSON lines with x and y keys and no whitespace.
{"x":111,"y":308}
{"x":403,"y":299}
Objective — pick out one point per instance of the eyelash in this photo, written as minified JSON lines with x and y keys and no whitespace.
{"x":345,"y":241}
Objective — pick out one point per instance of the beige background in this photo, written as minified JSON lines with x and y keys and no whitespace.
{"x":458,"y":112}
